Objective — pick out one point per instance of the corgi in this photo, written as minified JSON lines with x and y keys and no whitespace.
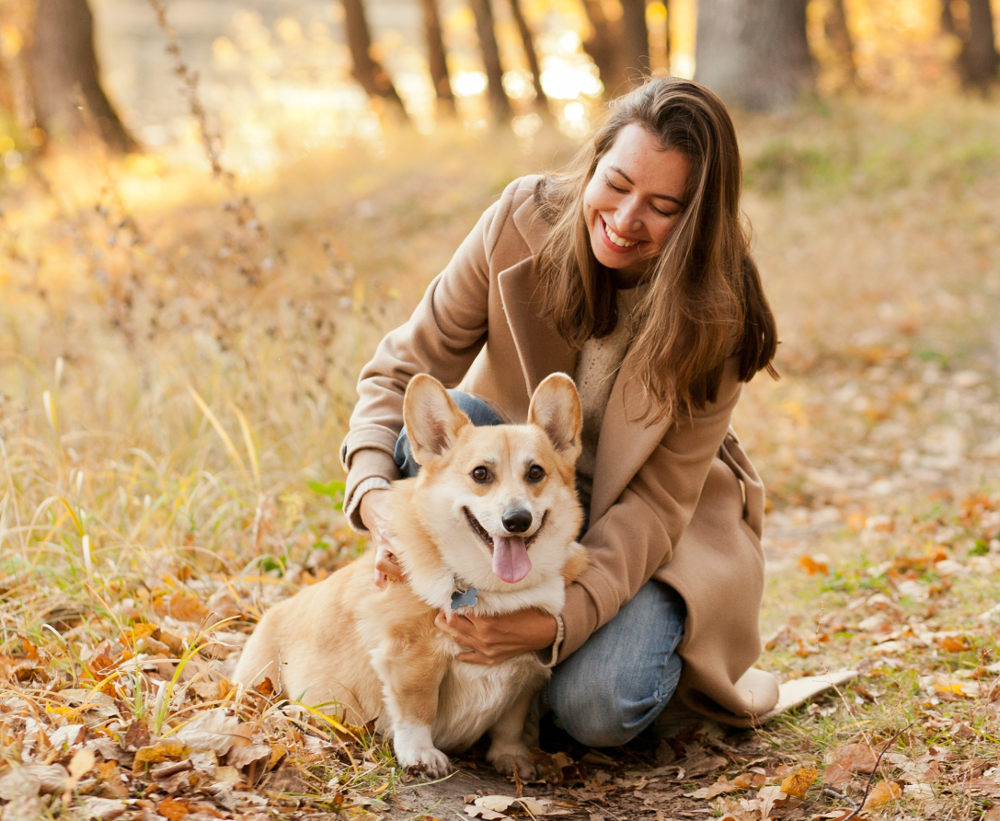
{"x":488,"y":524}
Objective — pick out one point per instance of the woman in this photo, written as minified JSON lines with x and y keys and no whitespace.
{"x":632,"y":273}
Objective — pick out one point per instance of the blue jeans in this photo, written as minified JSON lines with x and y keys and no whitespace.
{"x":620,"y":680}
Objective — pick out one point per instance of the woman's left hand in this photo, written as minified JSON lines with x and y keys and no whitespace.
{"x":492,"y":639}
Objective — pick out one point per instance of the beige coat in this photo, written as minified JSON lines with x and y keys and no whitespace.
{"x":676,"y":500}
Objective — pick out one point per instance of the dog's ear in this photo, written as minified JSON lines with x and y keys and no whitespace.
{"x":432,"y":418}
{"x":555,"y":407}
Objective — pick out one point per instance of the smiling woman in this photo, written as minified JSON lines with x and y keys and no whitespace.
{"x":631,"y":271}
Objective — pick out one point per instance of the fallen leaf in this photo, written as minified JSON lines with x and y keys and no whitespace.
{"x":487,"y":815}
{"x":814,"y":564}
{"x":534,"y":807}
{"x":172,"y":809}
{"x":499,"y":803}
{"x":856,"y":758}
{"x":955,"y":644}
{"x":24,"y":808}
{"x":214,"y":730}
{"x":884,"y":793}
{"x":702,"y":764}
{"x":244,"y":756}
{"x":837,"y":776}
{"x":40,"y":778}
{"x":770,"y":797}
{"x":720,"y":787}
{"x":81,"y":763}
{"x":104,"y":809}
{"x":181,"y":605}
{"x":798,"y":783}
{"x":160,"y":751}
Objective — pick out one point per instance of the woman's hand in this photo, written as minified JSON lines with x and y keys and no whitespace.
{"x":492,"y":639}
{"x":375,"y":513}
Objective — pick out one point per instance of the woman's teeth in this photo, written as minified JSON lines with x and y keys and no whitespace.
{"x":617,"y":240}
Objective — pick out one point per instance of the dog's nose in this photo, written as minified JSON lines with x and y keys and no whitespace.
{"x":516,"y":519}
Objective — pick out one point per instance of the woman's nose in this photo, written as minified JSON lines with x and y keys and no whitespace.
{"x":627,"y":215}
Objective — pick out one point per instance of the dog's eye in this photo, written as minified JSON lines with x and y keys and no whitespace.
{"x":481,"y":474}
{"x":536,"y":473}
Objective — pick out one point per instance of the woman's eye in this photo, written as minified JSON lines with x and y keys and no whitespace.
{"x":614,"y":187}
{"x":481,"y":474}
{"x":536,"y":473}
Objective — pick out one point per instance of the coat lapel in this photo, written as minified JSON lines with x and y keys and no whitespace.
{"x":624,"y":444}
{"x":540,"y":349}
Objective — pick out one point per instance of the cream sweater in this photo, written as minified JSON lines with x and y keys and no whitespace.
{"x":596,"y":369}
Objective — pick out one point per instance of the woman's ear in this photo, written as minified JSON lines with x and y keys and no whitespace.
{"x":555,"y":407}
{"x":432,"y":419}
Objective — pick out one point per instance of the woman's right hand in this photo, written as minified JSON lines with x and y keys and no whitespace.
{"x":375,"y":514}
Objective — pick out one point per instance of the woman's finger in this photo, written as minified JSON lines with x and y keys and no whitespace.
{"x":385,"y":562}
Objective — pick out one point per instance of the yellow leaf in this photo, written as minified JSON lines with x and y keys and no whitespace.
{"x":158,"y":752}
{"x":884,"y":793}
{"x":799,"y":782}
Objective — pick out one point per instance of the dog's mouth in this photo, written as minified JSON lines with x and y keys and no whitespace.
{"x":510,"y":553}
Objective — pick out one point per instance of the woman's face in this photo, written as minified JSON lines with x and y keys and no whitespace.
{"x":633,"y":201}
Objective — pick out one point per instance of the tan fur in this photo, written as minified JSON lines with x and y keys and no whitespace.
{"x":369,"y":654}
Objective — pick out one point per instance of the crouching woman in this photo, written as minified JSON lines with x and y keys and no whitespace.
{"x":631,"y":271}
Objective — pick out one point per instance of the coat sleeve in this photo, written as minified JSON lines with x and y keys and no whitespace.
{"x":639,"y":531}
{"x":442,"y":337}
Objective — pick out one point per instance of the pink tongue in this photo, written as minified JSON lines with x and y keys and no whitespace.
{"x":510,"y":558}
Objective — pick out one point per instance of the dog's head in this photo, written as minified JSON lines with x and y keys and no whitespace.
{"x":500,"y":501}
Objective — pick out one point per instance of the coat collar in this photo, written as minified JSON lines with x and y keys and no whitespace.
{"x":528,"y":221}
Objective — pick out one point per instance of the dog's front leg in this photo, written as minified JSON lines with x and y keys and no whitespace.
{"x":508,"y":751}
{"x":411,"y":680}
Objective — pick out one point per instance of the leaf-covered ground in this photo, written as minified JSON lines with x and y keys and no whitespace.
{"x":177,"y":361}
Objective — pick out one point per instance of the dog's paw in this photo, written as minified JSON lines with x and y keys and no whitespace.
{"x":433,"y":762}
{"x":428,"y":759}
{"x":509,"y":763}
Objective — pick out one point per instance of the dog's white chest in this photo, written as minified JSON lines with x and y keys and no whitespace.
{"x":473,"y":697}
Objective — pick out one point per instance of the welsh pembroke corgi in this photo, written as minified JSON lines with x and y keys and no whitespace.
{"x":488,"y":526}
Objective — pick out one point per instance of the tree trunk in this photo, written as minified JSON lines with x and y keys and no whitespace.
{"x":979,"y":59}
{"x":947,"y":18}
{"x":528,"y":42}
{"x":499,"y":102}
{"x":367,"y":70}
{"x":838,"y":34}
{"x":64,"y":76}
{"x":754,"y":53}
{"x":635,"y":40}
{"x":666,"y":35}
{"x":604,"y":48}
{"x":437,"y":59}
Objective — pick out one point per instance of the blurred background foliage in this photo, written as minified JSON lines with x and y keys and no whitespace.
{"x":280,"y":78}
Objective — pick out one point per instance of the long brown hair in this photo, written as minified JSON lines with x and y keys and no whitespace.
{"x":705,"y":299}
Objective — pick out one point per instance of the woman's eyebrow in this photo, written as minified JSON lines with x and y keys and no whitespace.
{"x":617,"y":170}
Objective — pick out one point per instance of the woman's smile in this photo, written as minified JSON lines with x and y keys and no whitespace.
{"x":617,"y":242}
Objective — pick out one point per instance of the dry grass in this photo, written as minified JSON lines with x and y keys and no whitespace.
{"x":176,"y":378}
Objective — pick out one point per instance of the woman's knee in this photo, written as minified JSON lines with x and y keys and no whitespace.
{"x":614,"y":711}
